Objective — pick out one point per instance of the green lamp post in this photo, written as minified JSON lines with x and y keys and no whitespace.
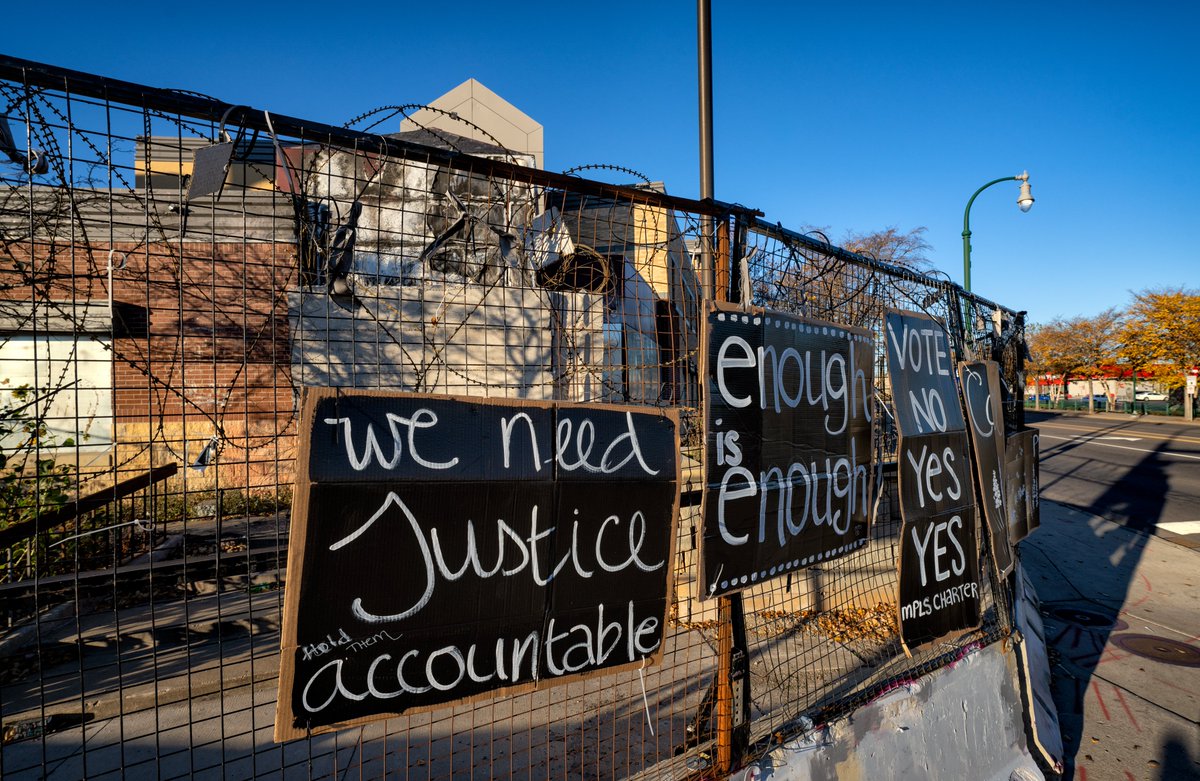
{"x":1024,"y":202}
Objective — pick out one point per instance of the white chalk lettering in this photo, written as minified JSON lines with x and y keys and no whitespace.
{"x":790,"y":378}
{"x":583,"y":441}
{"x":955,"y":488}
{"x":919,"y":349}
{"x":729,"y":452}
{"x":450,"y":652}
{"x":515,"y":553}
{"x":930,"y":407}
{"x":325,"y":645}
{"x":725,"y":361}
{"x":972,"y":387}
{"x":506,"y":427}
{"x":372,"y":450}
{"x":563,"y":650}
{"x":831,"y":494}
{"x":927,"y":606}
{"x":338,"y":689}
{"x":927,"y":466}
{"x":367,"y":642}
{"x":921,"y":542}
{"x":936,"y":533}
{"x":748,"y":488}
{"x":637,"y":526}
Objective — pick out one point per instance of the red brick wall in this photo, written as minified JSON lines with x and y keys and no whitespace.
{"x":200,"y":344}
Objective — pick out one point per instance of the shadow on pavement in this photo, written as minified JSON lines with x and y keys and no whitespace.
{"x":1178,"y":763}
{"x":1087,"y":575}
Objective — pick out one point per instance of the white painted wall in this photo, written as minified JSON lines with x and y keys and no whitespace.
{"x":962,"y":722}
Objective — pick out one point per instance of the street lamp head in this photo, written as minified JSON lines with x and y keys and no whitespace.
{"x":1025,"y":199}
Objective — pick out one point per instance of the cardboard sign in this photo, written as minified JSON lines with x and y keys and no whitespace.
{"x":1042,"y":715}
{"x":789,"y":442}
{"x":1022,"y":484}
{"x":445,"y":549}
{"x":1033,"y":484}
{"x":981,"y":393}
{"x":922,"y":375}
{"x":938,"y":561}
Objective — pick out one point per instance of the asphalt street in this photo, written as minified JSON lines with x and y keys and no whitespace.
{"x":1142,"y":473}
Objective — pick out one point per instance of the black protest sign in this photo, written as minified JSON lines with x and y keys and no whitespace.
{"x":1014,"y":488}
{"x":1022,"y":490}
{"x":788,"y":445}
{"x":446,"y":549}
{"x":981,"y":395}
{"x":922,"y":375}
{"x":938,"y":561}
{"x":1033,"y":487}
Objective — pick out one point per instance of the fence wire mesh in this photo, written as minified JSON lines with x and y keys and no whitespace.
{"x":175,"y":271}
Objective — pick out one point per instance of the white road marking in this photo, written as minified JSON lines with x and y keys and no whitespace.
{"x":1180,"y":527}
{"x":1097,"y":442}
{"x":1141,"y":434}
{"x":1123,"y":439}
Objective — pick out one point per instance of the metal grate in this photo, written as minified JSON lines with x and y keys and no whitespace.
{"x":157,"y":330}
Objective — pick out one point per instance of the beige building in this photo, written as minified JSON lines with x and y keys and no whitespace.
{"x":488,"y":118}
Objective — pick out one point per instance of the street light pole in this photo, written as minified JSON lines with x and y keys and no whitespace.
{"x":1024,"y":202}
{"x":704,"y":60}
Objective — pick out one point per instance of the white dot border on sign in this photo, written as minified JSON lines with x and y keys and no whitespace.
{"x":788,"y":566}
{"x":837,"y":332}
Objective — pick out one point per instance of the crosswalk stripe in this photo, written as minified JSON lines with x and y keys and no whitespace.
{"x":1180,"y":527}
{"x":1096,"y":441}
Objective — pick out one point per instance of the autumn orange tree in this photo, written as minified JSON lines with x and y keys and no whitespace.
{"x":1161,"y":332}
{"x":1096,"y":340}
{"x":1052,"y":350}
{"x":1076,"y":347}
{"x":1136,"y":349}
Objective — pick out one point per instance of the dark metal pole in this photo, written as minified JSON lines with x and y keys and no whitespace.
{"x":966,"y":234}
{"x":704,"y":57}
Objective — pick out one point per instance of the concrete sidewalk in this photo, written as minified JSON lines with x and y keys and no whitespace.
{"x":1123,"y":624}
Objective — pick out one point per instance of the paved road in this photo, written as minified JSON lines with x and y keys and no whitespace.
{"x":1141,"y":473}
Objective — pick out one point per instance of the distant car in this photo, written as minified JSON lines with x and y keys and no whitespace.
{"x":1149,"y":396}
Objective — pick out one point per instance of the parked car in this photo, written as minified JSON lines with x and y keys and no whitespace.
{"x":1149,"y":396}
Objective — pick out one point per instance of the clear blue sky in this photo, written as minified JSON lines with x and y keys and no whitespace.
{"x":857,"y":117}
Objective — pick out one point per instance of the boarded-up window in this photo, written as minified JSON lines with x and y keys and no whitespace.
{"x":66,"y":379}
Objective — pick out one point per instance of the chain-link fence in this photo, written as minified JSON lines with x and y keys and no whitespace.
{"x":175,"y":271}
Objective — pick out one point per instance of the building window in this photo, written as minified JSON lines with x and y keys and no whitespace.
{"x":56,"y":368}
